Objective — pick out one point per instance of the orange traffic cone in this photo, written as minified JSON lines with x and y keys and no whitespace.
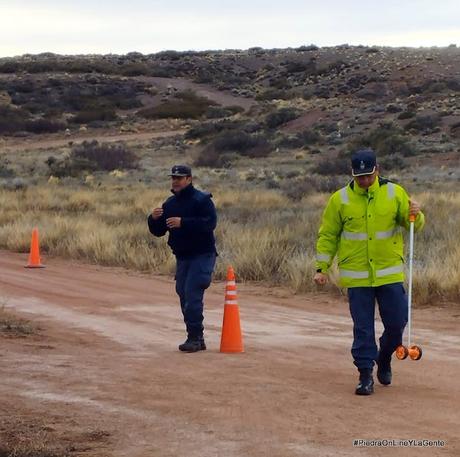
{"x":231,"y":340}
{"x":34,"y":256}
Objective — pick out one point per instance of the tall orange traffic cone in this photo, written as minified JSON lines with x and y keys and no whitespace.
{"x":34,"y":256}
{"x":231,"y":340}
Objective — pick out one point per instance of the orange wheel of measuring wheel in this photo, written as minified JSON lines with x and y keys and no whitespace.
{"x":401,"y":352}
{"x":415,"y":352}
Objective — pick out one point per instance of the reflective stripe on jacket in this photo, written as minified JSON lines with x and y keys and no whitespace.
{"x":364,"y":229}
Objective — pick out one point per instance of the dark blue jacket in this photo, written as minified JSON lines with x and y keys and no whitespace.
{"x":198,"y":221}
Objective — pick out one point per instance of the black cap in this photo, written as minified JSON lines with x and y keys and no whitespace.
{"x":181,"y":170}
{"x":363,"y":162}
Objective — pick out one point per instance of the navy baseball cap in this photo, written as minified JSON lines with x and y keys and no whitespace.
{"x":363,"y":162}
{"x":181,"y":170}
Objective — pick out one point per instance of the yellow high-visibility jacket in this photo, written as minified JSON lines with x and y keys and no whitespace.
{"x":364,"y":229}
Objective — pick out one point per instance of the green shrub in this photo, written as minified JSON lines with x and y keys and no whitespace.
{"x":455,"y":130}
{"x":297,"y":188}
{"x":105,"y":157}
{"x":434,"y":86}
{"x":209,"y":157}
{"x":333,"y":166}
{"x":384,"y":140}
{"x":406,"y":115}
{"x":235,"y":109}
{"x":187,"y":105}
{"x":274,"y":94}
{"x":425,"y":124}
{"x":229,"y":144}
{"x":44,"y":126}
{"x":392,"y":162}
{"x":91,"y":157}
{"x":242,"y":143}
{"x":216,"y":112}
{"x":5,"y":171}
{"x":9,"y":66}
{"x":97,"y":114}
{"x":300,"y":140}
{"x":280,"y":117}
{"x":134,"y":69}
{"x":309,"y":48}
{"x":12,"y":120}
{"x":209,"y":129}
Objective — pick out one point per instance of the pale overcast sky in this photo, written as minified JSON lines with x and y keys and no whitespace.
{"x":100,"y":26}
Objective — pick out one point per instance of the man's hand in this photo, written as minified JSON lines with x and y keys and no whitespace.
{"x":414,"y":208}
{"x":320,"y":278}
{"x":157,"y":213}
{"x":173,"y":222}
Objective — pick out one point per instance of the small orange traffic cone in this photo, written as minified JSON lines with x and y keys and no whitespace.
{"x":34,"y":256}
{"x":231,"y":340}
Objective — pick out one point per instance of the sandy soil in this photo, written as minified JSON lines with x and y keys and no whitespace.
{"x":104,"y":376}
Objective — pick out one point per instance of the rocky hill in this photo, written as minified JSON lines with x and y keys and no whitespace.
{"x":403,"y":102}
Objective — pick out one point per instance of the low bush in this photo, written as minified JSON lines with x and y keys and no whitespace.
{"x":216,"y":112}
{"x":384,"y":140}
{"x":91,"y":157}
{"x":392,"y":162}
{"x":209,"y":129}
{"x":242,"y":143}
{"x":228,"y":145}
{"x":12,"y":120}
{"x":333,"y":166}
{"x":300,"y":140}
{"x":44,"y":126}
{"x":280,"y":117}
{"x":105,"y":157}
{"x":186,"y":105}
{"x":424,"y":124}
{"x":274,"y":94}
{"x":406,"y":115}
{"x":98,"y":114}
{"x":297,"y":188}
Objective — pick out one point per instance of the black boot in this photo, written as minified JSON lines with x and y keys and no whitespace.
{"x":384,"y":370}
{"x":366,"y":383}
{"x":193,"y":345}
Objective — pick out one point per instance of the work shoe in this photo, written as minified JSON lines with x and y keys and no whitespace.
{"x":366,"y":383}
{"x":192,"y":345}
{"x":384,"y":371}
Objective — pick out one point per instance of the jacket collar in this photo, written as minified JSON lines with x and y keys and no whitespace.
{"x":360,"y":191}
{"x":185,"y":192}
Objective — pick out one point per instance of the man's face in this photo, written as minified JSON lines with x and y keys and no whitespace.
{"x":367,"y":180}
{"x":180,"y":182}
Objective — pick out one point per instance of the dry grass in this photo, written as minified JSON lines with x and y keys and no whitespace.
{"x":27,"y":437}
{"x":37,"y":445}
{"x":13,"y":326}
{"x":264,"y":235}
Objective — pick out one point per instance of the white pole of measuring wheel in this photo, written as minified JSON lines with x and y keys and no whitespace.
{"x":409,"y":297}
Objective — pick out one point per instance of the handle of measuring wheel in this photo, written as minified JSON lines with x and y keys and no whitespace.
{"x":412,"y":218}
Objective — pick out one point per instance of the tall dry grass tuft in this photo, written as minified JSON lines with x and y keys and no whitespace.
{"x":264,"y":235}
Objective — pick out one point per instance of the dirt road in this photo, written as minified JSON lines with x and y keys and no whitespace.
{"x":103,"y":374}
{"x":35,"y":142}
{"x":223,"y":98}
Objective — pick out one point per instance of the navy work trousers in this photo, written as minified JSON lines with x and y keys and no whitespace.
{"x":193,"y":277}
{"x":392,"y":301}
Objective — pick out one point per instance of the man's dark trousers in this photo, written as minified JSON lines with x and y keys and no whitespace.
{"x":392,"y":301}
{"x":193,"y":277}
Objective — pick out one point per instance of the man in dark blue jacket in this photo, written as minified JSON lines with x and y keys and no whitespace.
{"x":190,"y":218}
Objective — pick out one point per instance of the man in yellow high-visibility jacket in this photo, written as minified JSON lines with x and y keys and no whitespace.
{"x":362,"y":225}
